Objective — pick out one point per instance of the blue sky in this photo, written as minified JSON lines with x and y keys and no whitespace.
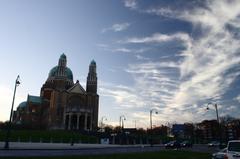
{"x":175,"y":56}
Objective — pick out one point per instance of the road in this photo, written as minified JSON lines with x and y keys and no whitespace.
{"x":96,"y":149}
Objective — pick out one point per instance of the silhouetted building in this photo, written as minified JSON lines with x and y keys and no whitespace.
{"x":178,"y":130}
{"x":62,"y":104}
{"x":233,"y":130}
{"x":209,"y":129}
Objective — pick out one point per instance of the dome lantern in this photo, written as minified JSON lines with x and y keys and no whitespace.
{"x":61,"y":70}
{"x":93,"y":62}
{"x":62,"y":60}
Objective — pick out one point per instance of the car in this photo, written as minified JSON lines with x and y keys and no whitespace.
{"x":173,"y":145}
{"x":186,"y":144}
{"x":214,"y":144}
{"x":220,"y":155}
{"x":233,"y":150}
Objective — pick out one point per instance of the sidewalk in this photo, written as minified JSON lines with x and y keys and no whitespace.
{"x":59,"y":146}
{"x":61,"y":149}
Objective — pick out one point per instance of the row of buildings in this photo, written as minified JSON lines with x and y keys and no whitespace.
{"x":208,"y":130}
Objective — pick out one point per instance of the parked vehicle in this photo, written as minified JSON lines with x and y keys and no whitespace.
{"x":214,"y":144}
{"x":232,"y":151}
{"x":186,"y":144}
{"x":220,"y":155}
{"x":173,"y":145}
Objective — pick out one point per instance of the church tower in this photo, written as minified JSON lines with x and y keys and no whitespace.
{"x":92,"y":78}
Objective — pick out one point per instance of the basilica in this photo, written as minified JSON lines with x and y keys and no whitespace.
{"x":62,"y":104}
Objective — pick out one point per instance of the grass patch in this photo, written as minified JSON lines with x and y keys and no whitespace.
{"x":145,"y":155}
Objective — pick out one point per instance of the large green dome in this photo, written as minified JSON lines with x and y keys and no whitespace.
{"x":53,"y":72}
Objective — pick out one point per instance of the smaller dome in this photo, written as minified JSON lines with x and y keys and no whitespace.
{"x":22,"y":105}
{"x":63,"y":56}
{"x":93,"y":62}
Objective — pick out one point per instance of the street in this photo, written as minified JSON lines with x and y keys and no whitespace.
{"x":88,"y":149}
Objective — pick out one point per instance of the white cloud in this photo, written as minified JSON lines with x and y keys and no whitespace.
{"x":215,"y":14}
{"x":139,"y":57}
{"x":238,"y":98}
{"x":202,"y":74}
{"x":151,"y":86}
{"x":159,"y":38}
{"x":117,"y":27}
{"x":124,"y":96}
{"x":102,"y":45}
{"x":132,"y":4}
{"x":162,"y":11}
{"x":122,"y":50}
{"x":211,"y":56}
{"x":127,"y":50}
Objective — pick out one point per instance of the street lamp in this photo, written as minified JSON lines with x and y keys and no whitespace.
{"x":121,"y":121}
{"x":6,"y":146}
{"x":102,"y":119}
{"x":135,"y":123}
{"x":216,"y":108}
{"x":156,"y":112}
{"x":218,"y":121}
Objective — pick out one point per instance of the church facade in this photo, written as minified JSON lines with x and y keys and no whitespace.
{"x":62,"y":104}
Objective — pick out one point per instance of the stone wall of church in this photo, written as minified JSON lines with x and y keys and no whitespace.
{"x":56,"y":109}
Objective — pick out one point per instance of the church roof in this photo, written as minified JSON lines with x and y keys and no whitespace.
{"x":77,"y":88}
{"x":22,"y":105}
{"x":35,"y":99}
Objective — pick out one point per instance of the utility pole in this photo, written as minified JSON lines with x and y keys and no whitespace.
{"x":156,"y":112}
{"x":6,"y":146}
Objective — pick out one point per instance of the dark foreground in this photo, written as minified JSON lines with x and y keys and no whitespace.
{"x":164,"y":154}
{"x":85,"y":150}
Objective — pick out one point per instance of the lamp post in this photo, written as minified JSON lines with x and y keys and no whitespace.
{"x":6,"y":146}
{"x":216,"y":108}
{"x":102,"y":119}
{"x":121,"y":121}
{"x":135,"y":123}
{"x":156,"y":112}
{"x":218,"y":121}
